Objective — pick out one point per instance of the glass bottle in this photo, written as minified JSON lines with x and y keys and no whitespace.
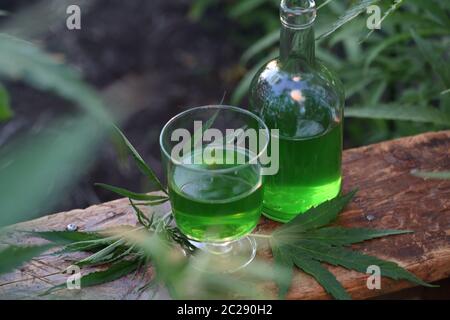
{"x":298,"y":95}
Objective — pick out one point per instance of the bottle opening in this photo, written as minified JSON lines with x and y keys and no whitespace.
{"x":297,"y":14}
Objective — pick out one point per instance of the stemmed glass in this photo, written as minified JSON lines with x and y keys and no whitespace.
{"x":211,"y":157}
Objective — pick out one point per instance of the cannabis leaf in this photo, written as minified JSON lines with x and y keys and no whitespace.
{"x":67,"y":237}
{"x":14,"y":256}
{"x":307,"y":241}
{"x":143,"y":167}
{"x":349,"y":15}
{"x":116,"y":253}
{"x":130,"y":194}
{"x":114,"y":272}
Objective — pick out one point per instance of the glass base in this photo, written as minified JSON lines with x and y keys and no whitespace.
{"x":224,"y":257}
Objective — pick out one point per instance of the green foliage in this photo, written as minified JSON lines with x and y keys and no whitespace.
{"x":439,"y":65}
{"x":386,"y":76}
{"x":244,"y":7}
{"x":399,"y":112}
{"x":5,"y":108}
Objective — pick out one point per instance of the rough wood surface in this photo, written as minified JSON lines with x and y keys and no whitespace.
{"x":389,"y":197}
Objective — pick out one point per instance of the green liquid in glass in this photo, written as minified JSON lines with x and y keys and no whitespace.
{"x":309,"y":174}
{"x":216,"y":206}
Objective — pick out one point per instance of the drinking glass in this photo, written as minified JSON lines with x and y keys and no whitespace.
{"x":211,"y":157}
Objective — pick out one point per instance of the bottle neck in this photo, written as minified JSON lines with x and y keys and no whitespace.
{"x":297,"y":30}
{"x":298,"y":43}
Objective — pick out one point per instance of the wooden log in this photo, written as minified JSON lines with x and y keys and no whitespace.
{"x":389,"y":197}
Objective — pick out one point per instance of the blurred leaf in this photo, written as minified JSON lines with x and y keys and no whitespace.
{"x":329,"y":58}
{"x":264,"y":43}
{"x":440,"y":66}
{"x":114,"y":272}
{"x":434,"y":10}
{"x":143,"y":167}
{"x":443,"y":175}
{"x":130,"y":194}
{"x":348,"y":16}
{"x":323,"y":4}
{"x":13,"y":257}
{"x":245,"y":6}
{"x":351,"y":31}
{"x":283,"y":269}
{"x":48,"y":158}
{"x":33,"y":170}
{"x":398,"y":112}
{"x":22,"y":60}
{"x":376,"y":94}
{"x":352,"y":49}
{"x":5,"y":109}
{"x":66,"y":237}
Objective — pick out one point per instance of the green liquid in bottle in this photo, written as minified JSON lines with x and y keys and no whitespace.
{"x":309,"y":174}
{"x":216,"y":206}
{"x":298,"y":95}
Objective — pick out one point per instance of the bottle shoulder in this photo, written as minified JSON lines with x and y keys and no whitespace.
{"x":297,"y":73}
{"x":288,"y":95}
